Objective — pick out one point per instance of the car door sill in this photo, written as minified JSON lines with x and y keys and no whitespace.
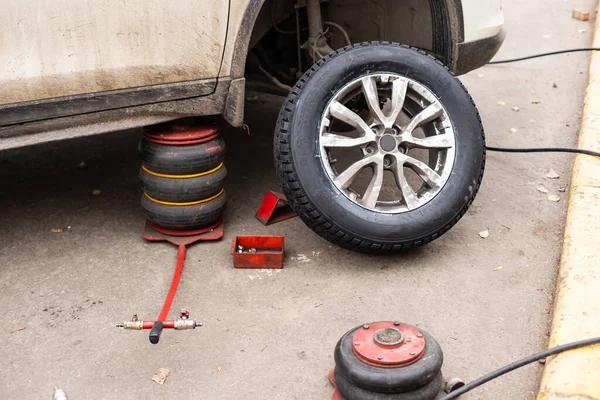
{"x":39,"y":110}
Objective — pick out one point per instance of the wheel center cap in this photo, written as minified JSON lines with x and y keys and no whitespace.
{"x":387,"y":143}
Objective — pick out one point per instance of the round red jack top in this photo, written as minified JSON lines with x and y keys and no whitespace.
{"x":388,"y":344}
{"x":180,"y":134}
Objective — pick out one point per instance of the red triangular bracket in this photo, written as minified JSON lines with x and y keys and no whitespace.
{"x":274,"y":208}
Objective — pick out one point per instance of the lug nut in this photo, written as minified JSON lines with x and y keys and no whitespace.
{"x":366,"y":326}
{"x":380,"y":358}
{"x":412,"y":353}
{"x":396,"y":323}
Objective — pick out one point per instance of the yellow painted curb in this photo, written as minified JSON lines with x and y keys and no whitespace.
{"x":575,"y":374}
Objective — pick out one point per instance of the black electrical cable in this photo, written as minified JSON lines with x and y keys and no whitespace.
{"x":544,"y":150}
{"x":518,"y":364}
{"x":545,"y":54}
{"x":558,"y":349}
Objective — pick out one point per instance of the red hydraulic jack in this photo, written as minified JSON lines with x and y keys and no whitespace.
{"x":181,"y":239}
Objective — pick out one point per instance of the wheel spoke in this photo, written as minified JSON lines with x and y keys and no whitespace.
{"x":409,"y":195}
{"x":335,"y":140}
{"x":346,"y":178}
{"x":424,"y":171}
{"x":399,"y":87}
{"x":369,"y":87}
{"x":371,"y":195}
{"x":442,"y":141}
{"x":428,"y":114}
{"x":348,"y":116}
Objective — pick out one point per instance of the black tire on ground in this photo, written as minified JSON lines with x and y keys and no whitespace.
{"x":182,"y":160}
{"x":184,"y":189}
{"x":388,"y":380}
{"x":185,"y":217}
{"x":310,"y":190}
{"x":350,"y":391}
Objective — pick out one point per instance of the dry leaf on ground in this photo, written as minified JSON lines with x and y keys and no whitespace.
{"x":580,"y":15}
{"x":160,"y":376}
{"x":551,"y":174}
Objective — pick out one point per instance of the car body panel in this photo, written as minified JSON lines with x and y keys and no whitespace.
{"x":68,"y":47}
{"x":241,"y":22}
{"x":482,"y":19}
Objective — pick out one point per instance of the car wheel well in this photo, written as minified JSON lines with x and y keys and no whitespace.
{"x":433,"y":26}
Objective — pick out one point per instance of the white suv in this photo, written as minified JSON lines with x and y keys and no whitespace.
{"x":360,"y":108}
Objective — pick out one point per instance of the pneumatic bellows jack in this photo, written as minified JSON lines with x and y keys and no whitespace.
{"x":387,"y":361}
{"x":182,"y":177}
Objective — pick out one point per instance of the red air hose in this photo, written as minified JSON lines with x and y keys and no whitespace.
{"x":174,"y":283}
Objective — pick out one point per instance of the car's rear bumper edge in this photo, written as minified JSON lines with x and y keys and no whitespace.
{"x":475,"y":54}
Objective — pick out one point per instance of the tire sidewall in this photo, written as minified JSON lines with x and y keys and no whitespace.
{"x":184,"y":217}
{"x":182,"y":190}
{"x":465,"y":176}
{"x":184,"y":159}
{"x":349,"y":391}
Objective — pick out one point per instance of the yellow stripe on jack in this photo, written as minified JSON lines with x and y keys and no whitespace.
{"x":190,"y":203}
{"x":182,"y":176}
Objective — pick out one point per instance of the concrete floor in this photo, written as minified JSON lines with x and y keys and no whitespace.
{"x":271,"y":334}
